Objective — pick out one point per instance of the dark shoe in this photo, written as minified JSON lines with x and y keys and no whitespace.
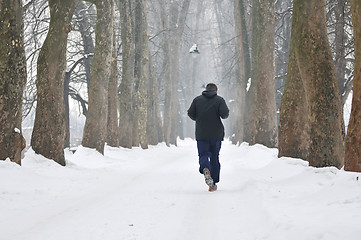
{"x":207,"y":177}
{"x":213,"y":188}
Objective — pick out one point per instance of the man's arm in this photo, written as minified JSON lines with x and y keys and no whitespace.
{"x":223,"y":109}
{"x":192,"y":111}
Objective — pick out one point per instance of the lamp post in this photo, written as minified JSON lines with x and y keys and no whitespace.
{"x":194,"y":50}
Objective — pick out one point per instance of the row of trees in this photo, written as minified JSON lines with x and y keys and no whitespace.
{"x":311,"y":119}
{"x":138,"y":107}
{"x":256,"y":59}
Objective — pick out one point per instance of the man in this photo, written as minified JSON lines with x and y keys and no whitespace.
{"x":207,"y":110}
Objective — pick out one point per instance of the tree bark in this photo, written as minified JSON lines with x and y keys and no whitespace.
{"x":154,"y":122}
{"x":243,"y":71}
{"x":112,"y":126}
{"x":318,"y":75}
{"x":141,"y":69}
{"x":126,"y":86}
{"x":263,"y":118}
{"x":340,"y":39}
{"x":12,"y":79}
{"x":48,"y":136}
{"x":353,"y":138}
{"x":95,"y":129}
{"x":293,"y":129}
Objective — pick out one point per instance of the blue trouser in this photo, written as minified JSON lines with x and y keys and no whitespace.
{"x":208,"y":152}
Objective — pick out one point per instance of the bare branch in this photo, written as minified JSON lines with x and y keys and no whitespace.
{"x":25,"y":8}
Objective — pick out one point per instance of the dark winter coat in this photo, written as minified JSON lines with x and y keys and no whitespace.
{"x":207,"y":110}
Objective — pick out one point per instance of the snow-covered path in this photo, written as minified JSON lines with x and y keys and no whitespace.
{"x":159,"y":194}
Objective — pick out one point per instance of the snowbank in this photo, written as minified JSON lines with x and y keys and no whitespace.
{"x":159,"y":194}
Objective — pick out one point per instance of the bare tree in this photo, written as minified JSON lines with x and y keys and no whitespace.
{"x":242,"y":72}
{"x":293,"y":129}
{"x":194,"y":64}
{"x":48,"y":136}
{"x":112,"y":126}
{"x":85,"y":27}
{"x":12,"y":79}
{"x":339,"y":23}
{"x":141,"y":70}
{"x":176,"y":23}
{"x":353,"y":138}
{"x":36,"y":25}
{"x":126,"y":86}
{"x":262,"y":121}
{"x":318,"y":75}
{"x":154,"y":122}
{"x":95,"y":129}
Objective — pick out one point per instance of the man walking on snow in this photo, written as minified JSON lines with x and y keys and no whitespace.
{"x":207,"y":110}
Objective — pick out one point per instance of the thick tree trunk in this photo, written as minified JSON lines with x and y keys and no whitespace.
{"x":353,"y":138}
{"x":112,"y":127}
{"x":12,"y":79}
{"x":293,"y":130}
{"x":254,"y":16}
{"x":48,"y":136}
{"x":263,"y":117}
{"x":243,"y":71}
{"x":317,"y":71}
{"x":95,"y":129}
{"x":141,"y":69}
{"x":126,"y":86}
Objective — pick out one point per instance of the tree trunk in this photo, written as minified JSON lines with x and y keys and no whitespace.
{"x":48,"y":136}
{"x":141,"y":69}
{"x":293,"y":131}
{"x":75,"y":96}
{"x":317,"y":71}
{"x":340,"y":39}
{"x":263,"y":117}
{"x":67,"y":109}
{"x":168,"y":86}
{"x":177,"y":23}
{"x":112,"y":126}
{"x":243,"y":71}
{"x":254,"y":16}
{"x":126,"y":86}
{"x":174,"y":99}
{"x":154,"y":121}
{"x":193,"y":64}
{"x":86,"y":35}
{"x":353,"y":138}
{"x":340,"y":58}
{"x":12,"y":79}
{"x":95,"y":129}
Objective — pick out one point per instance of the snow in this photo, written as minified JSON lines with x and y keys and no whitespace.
{"x":159,"y":194}
{"x":249,"y":82}
{"x":347,"y":110}
{"x":17,"y":130}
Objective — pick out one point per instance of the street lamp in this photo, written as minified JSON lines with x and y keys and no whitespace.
{"x":194,"y":50}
